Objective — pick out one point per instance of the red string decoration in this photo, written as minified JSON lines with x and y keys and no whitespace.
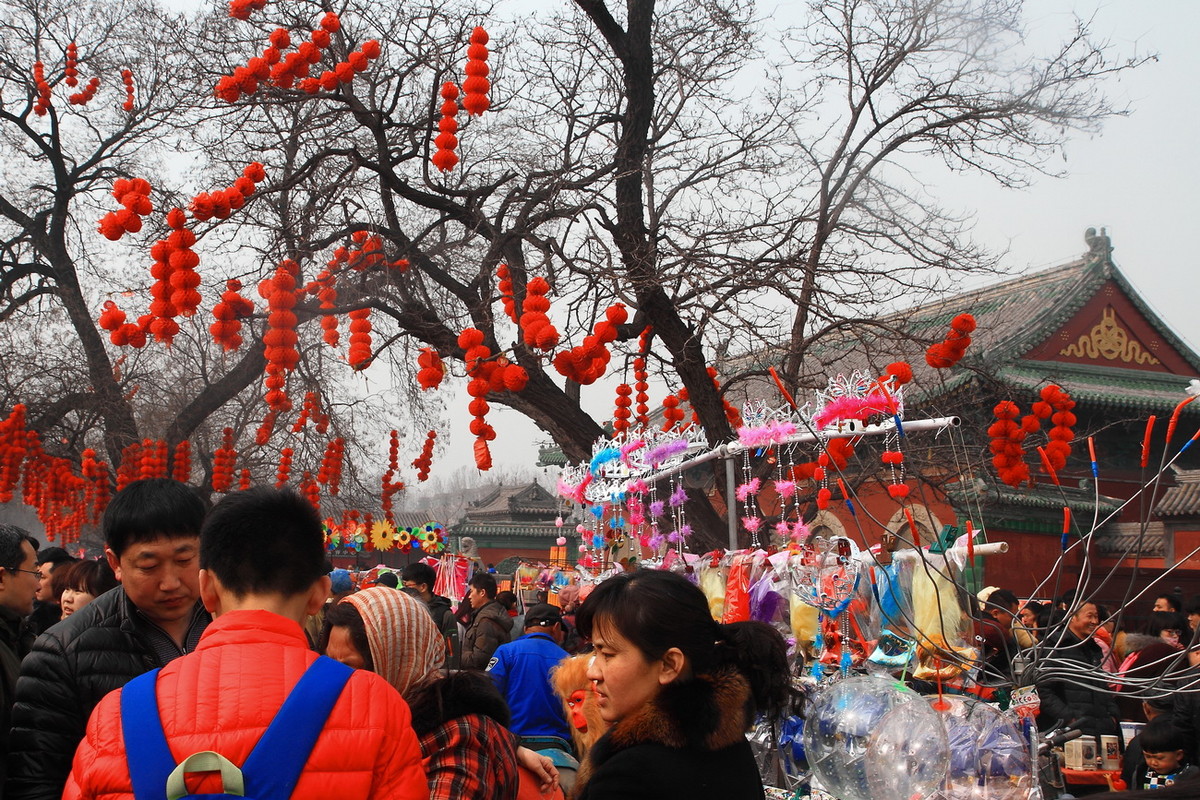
{"x":134,"y":195}
{"x":241,"y":9}
{"x":42,"y":104}
{"x":641,"y":384}
{"x":505,"y":287}
{"x":1058,"y":449}
{"x":444,"y":158}
{"x":280,"y":338}
{"x":71,"y":70}
{"x":621,"y":412}
{"x":228,"y":314}
{"x":224,"y":459}
{"x":330,"y":473}
{"x":85,"y":96}
{"x":284,"y":472}
{"x":424,"y":461}
{"x":946,"y":354}
{"x":359,"y":352}
{"x":535,"y":323}
{"x":476,"y":85}
{"x":389,"y":486}
{"x":181,"y":466}
{"x":1008,"y":454}
{"x":431,"y":371}
{"x":244,"y":480}
{"x":480,"y":370}
{"x":586,"y":363}
{"x":310,"y":490}
{"x":127,"y":79}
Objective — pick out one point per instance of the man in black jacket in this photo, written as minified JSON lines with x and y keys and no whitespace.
{"x":490,"y":627}
{"x":420,"y":579}
{"x":1070,"y":686}
{"x":18,"y":583}
{"x":151,"y":532}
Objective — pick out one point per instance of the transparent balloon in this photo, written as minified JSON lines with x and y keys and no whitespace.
{"x":908,"y":753}
{"x":849,"y":728}
{"x":989,"y":757}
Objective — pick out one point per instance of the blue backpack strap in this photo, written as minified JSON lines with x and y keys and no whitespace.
{"x":273,"y":768}
{"x":146,"y":749}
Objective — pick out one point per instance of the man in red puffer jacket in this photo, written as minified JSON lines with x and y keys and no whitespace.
{"x":262,"y":571}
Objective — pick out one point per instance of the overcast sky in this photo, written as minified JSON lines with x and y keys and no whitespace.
{"x":1137,"y":179}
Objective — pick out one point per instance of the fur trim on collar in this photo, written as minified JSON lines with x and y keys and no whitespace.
{"x":708,"y":712}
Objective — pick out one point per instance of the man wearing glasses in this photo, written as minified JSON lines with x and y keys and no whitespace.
{"x":18,"y":584}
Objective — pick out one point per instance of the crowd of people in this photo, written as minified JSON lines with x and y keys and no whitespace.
{"x":1094,"y":668}
{"x":216,"y":651}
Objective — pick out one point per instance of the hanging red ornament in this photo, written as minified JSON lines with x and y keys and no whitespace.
{"x":444,"y":158}
{"x":476,"y":85}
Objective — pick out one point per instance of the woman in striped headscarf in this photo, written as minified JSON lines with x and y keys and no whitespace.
{"x":460,"y":719}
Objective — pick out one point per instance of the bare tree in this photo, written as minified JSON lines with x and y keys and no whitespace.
{"x":668,"y":156}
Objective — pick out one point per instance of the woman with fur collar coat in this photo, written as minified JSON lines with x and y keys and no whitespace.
{"x":678,"y":690}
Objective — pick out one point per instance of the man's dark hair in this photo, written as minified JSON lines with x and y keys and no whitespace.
{"x":543,"y":615}
{"x":11,"y":537}
{"x":54,"y":555}
{"x":264,"y":541}
{"x":1173,"y":601}
{"x":419,"y":573}
{"x":147,"y":509}
{"x":388,"y":579}
{"x":1002,"y":598}
{"x":484,"y":581}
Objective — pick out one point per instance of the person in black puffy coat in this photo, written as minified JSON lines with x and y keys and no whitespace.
{"x":678,"y":690}
{"x":151,"y":530}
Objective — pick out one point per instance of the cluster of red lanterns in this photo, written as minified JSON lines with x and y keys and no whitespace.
{"x":622,"y":412}
{"x":424,"y":461}
{"x":310,"y":409}
{"x":947,"y":353}
{"x":330,"y":473}
{"x":325,"y":288}
{"x":242,"y":9}
{"x":281,"y":337}
{"x":42,"y":104}
{"x":479,"y":369}
{"x":1061,"y":434}
{"x":344,"y":71}
{"x":134,"y":196}
{"x":224,"y":459}
{"x":153,"y":458}
{"x":672,"y":413}
{"x":223,"y":202}
{"x":181,"y":464}
{"x":13,"y":436}
{"x":127,"y":79}
{"x":94,"y":472}
{"x":505,"y":286}
{"x":85,"y":95}
{"x":310,"y":490}
{"x":284,"y":471}
{"x":359,"y":351}
{"x":1007,"y":436}
{"x":586,"y":363}
{"x":444,"y":158}
{"x":476,"y":85}
{"x":431,"y":371}
{"x":390,"y":487}
{"x":71,"y":70}
{"x":286,"y":71}
{"x":641,"y":385}
{"x":535,"y":322}
{"x":120,"y":332}
{"x":228,"y":313}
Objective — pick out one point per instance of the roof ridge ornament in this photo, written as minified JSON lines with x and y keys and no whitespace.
{"x":1099,"y":245}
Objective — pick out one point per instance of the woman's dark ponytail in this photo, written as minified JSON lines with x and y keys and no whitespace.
{"x":759,"y":652}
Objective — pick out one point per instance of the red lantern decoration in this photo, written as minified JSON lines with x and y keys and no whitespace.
{"x":476,"y":85}
{"x":444,"y":158}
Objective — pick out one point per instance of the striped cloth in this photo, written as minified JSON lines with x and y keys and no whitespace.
{"x":405,"y":644}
